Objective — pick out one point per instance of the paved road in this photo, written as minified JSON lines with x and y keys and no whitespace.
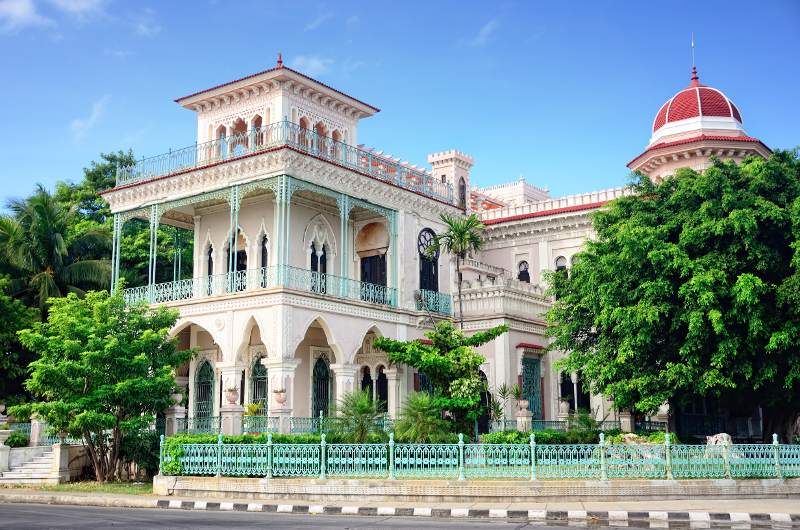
{"x":45,"y":516}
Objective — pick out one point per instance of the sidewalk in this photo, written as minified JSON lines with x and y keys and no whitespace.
{"x":698,"y":511}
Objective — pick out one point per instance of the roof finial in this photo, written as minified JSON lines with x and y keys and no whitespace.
{"x":280,"y":62}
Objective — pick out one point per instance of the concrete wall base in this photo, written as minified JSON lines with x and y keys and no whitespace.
{"x":381,"y":490}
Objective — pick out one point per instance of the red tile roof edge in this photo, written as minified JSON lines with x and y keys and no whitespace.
{"x":526,"y":345}
{"x":546,"y":212}
{"x":697,"y":139}
{"x":376,"y":109}
{"x":268,"y":151}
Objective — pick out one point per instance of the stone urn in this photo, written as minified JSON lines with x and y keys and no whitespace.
{"x":232,"y":396}
{"x":177,"y":397}
{"x":563,"y":407}
{"x":523,"y":404}
{"x":280,"y":397}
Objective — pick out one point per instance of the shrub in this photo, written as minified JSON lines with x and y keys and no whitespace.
{"x":546,"y":437}
{"x":141,"y":449}
{"x":356,"y":415}
{"x":421,"y":421}
{"x":17,"y":439}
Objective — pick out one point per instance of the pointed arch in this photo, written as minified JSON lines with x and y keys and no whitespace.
{"x":206,"y":256}
{"x":262,"y":242}
{"x":253,"y":319}
{"x":320,"y":233}
{"x":182,"y":323}
{"x":329,"y":336}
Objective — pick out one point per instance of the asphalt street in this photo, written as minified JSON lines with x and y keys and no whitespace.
{"x":45,"y":516}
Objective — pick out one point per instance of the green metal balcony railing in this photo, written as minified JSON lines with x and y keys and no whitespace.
{"x":263,"y":278}
{"x":434,"y":301}
{"x":280,"y":134}
{"x":531,"y":461}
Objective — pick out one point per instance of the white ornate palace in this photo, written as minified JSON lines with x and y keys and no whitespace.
{"x":307,"y":246}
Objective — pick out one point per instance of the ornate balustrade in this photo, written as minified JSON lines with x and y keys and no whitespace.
{"x":259,"y":424}
{"x":532,"y":461}
{"x":433,"y":301}
{"x":208,"y":425}
{"x":548,"y":425}
{"x":285,"y":134}
{"x":263,"y":278}
{"x":479,"y":266}
{"x":501,"y":296}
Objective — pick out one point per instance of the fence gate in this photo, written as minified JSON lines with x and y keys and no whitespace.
{"x":532,"y":385}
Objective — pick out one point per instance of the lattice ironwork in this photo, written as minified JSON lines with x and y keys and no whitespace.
{"x":322,"y":386}
{"x":204,"y":390}
{"x":532,"y":385}
{"x":259,"y":386}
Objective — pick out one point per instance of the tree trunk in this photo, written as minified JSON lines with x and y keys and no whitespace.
{"x":778,"y":420}
{"x":460,"y":302}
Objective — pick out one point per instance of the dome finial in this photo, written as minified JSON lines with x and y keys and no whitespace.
{"x":694,"y":75}
{"x":280,"y":62}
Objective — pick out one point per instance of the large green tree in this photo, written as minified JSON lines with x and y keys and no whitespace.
{"x":14,"y":358}
{"x":452,"y":364}
{"x":691,"y":288}
{"x":105,"y":369}
{"x":44,"y":256}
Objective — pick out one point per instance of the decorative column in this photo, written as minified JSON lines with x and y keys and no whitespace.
{"x":231,"y":412}
{"x":172,"y":417}
{"x":394,"y":402}
{"x":234,"y":200}
{"x":626,"y":420}
{"x":60,"y":471}
{"x":574,"y":377}
{"x":344,"y":217}
{"x":281,"y":376}
{"x":37,"y":427}
{"x":344,"y":378}
{"x":151,"y":275}
{"x":115,"y":237}
{"x":198,"y":248}
{"x":524,"y":420}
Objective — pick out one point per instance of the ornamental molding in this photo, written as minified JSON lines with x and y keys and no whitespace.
{"x":516,"y":325}
{"x":268,"y":165}
{"x":536,"y":230}
{"x":278,"y":300}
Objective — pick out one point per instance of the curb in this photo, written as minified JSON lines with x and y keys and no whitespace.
{"x":577,"y":515}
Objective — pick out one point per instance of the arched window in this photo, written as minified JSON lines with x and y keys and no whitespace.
{"x":321,"y":387}
{"x":425,"y":383}
{"x":486,"y":405}
{"x":319,"y":264}
{"x":462,"y":192}
{"x":567,"y":390}
{"x":428,"y":278}
{"x":259,"y":386}
{"x":561,"y":263}
{"x":264,"y":252}
{"x":366,"y":381}
{"x":524,"y":274}
{"x":204,"y":391}
{"x":210,"y":261}
{"x":532,"y":385}
{"x":383,"y":389}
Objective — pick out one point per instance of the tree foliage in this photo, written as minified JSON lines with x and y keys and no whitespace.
{"x":43,"y":257}
{"x":14,"y":358}
{"x":461,"y":237}
{"x":452,"y":364}
{"x":691,"y":288}
{"x":105,"y":370}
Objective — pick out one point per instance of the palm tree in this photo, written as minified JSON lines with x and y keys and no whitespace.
{"x":356,"y":414}
{"x":421,"y":420}
{"x":461,"y":238}
{"x":42,"y":255}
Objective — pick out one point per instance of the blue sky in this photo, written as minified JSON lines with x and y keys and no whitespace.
{"x":562,"y":92}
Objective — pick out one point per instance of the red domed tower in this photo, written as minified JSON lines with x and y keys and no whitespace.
{"x":695,"y":124}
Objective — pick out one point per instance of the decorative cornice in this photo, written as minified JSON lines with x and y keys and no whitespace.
{"x":538,"y":229}
{"x":283,"y":160}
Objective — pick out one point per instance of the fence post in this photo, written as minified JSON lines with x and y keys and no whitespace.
{"x":322,"y":459}
{"x":219,"y":456}
{"x":726,"y":454}
{"x":161,"y":455}
{"x":391,"y":456}
{"x":603,"y":473}
{"x":269,"y":455}
{"x":533,"y":456}
{"x":667,"y":456}
{"x":461,"y":457}
{"x":321,"y":430}
{"x":777,"y":459}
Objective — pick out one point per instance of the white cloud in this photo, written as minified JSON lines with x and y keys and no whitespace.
{"x":312,"y":66}
{"x":120,"y":54}
{"x":78,"y":7}
{"x":350,"y":65}
{"x":145,"y":24}
{"x":317,"y":21}
{"x":17,"y":14}
{"x":352,"y":21}
{"x":483,"y":35}
{"x":81,"y":126}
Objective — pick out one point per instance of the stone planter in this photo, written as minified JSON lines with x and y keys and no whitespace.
{"x":563,"y":407}
{"x":280,"y":397}
{"x":177,"y":398}
{"x":523,"y":404}
{"x":232,"y":396}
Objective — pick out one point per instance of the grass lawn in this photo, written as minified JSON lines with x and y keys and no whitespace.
{"x":90,"y":486}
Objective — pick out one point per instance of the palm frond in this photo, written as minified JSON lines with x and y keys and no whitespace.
{"x":93,"y":273}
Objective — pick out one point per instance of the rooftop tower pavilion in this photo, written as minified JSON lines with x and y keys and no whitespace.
{"x":517,"y":193}
{"x":693,"y":125}
{"x":258,"y":100}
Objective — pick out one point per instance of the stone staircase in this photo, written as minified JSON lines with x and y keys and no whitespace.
{"x":35,"y":471}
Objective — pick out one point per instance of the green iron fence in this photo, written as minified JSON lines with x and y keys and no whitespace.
{"x":285,"y":134}
{"x":649,"y":426}
{"x":24,"y":428}
{"x":259,"y":424}
{"x":534,"y":461}
{"x":208,"y":425}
